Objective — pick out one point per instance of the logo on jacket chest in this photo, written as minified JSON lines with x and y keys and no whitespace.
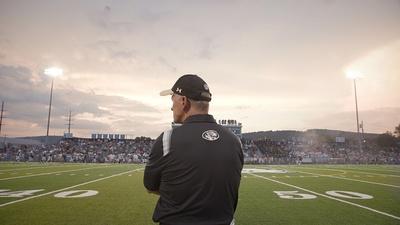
{"x":210,"y":135}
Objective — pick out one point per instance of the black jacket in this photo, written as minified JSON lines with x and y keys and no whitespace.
{"x":197,"y":169}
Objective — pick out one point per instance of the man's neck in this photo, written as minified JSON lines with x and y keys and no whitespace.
{"x":194,"y":112}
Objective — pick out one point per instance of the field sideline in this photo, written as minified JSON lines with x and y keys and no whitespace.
{"x":89,"y":194}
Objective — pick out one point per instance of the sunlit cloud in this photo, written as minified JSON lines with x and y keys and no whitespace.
{"x":269,"y":64}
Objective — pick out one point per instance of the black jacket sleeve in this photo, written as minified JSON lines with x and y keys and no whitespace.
{"x":152,"y":172}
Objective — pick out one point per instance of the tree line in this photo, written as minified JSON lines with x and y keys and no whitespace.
{"x":389,"y":139}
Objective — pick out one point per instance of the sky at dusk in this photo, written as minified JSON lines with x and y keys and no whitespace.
{"x":272,"y":65}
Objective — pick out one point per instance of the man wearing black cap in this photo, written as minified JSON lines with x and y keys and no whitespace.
{"x":196,"y":167}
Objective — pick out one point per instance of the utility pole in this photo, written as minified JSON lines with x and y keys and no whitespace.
{"x":69,"y":122}
{"x":52,"y":72}
{"x":1,"y":121}
{"x":48,"y":118}
{"x":68,"y":134}
{"x":362,"y":130}
{"x":358,"y":124}
{"x":1,"y":116}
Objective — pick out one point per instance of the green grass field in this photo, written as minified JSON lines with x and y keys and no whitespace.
{"x":307,"y":194}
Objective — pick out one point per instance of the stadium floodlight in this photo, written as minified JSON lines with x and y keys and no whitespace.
{"x":354,"y":75}
{"x":52,"y":72}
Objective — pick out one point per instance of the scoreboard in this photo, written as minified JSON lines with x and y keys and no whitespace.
{"x":109,"y":136}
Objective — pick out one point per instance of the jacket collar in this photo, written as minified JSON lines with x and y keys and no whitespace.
{"x":200,"y":118}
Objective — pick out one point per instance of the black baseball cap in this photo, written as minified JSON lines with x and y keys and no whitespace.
{"x":191,"y":86}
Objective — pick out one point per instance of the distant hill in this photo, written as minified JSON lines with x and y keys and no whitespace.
{"x":316,"y":133}
{"x":273,"y":135}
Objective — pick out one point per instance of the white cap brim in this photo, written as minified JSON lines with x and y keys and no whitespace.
{"x":166,"y":92}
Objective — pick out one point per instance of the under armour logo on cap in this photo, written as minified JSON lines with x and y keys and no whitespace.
{"x":179,"y":90}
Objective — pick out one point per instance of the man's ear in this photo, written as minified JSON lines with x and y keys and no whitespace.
{"x":183,"y":100}
{"x":186,"y":106}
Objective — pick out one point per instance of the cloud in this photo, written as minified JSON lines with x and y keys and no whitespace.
{"x":207,"y":48}
{"x":21,"y":79}
{"x":376,"y":120}
{"x":88,"y":124}
{"x":123,"y":54}
{"x":140,"y":127}
{"x":167,"y":64}
{"x":284,"y":60}
{"x":113,"y":49}
{"x":380,"y":68}
{"x":126,"y":17}
{"x":27,"y":103}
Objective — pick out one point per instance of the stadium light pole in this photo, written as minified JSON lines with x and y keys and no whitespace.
{"x":354,"y":75}
{"x":53,"y":72}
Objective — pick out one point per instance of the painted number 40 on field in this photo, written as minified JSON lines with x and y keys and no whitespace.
{"x":64,"y":194}
{"x":339,"y":194}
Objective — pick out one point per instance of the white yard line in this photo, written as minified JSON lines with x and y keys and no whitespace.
{"x":380,"y":170}
{"x":38,"y":167}
{"x":330,"y":197}
{"x":345,"y":178}
{"x":62,"y":171}
{"x":351,"y":171}
{"x":302,"y":167}
{"x":63,"y":189}
{"x":282,"y":167}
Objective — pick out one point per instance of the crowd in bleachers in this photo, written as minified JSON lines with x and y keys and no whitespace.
{"x":81,"y":150}
{"x":291,"y":152}
{"x":263,"y":151}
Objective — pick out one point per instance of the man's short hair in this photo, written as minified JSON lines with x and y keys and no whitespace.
{"x":200,"y":105}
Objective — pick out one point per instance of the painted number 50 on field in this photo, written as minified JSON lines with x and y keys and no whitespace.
{"x":339,"y":194}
